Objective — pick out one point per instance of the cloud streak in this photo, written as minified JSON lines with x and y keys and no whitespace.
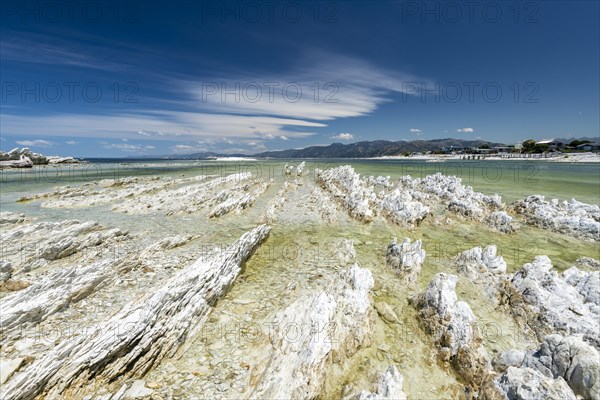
{"x":36,"y":143}
{"x":343,"y":136}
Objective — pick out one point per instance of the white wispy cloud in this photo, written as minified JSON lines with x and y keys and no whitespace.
{"x":343,"y":136}
{"x":36,"y":143}
{"x":465,"y":130}
{"x":37,"y":48}
{"x":171,"y":126}
{"x":347,"y":87}
{"x":128,"y":147}
{"x":72,"y":142}
{"x":340,"y":87}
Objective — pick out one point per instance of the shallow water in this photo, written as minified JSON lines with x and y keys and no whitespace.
{"x":511,"y":179}
{"x":301,"y":250}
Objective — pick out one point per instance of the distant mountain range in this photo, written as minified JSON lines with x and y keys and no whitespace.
{"x":375,"y":148}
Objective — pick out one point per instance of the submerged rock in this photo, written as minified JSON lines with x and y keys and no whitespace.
{"x":345,"y":251}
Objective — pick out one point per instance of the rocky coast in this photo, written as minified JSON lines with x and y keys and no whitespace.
{"x":315,"y":283}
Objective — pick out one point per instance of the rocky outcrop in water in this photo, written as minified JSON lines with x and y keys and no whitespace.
{"x":588,"y":262}
{"x":10,"y":218}
{"x":571,"y":217}
{"x":237,"y":201}
{"x":460,"y":199}
{"x":333,"y":324}
{"x":276,"y":203}
{"x":406,"y":258}
{"x":147,"y":330}
{"x":408,"y":201}
{"x":53,"y":293}
{"x":34,"y":245}
{"x":551,"y":303}
{"x":346,"y":186}
{"x":571,"y":359}
{"x":25,"y":158}
{"x":536,"y":375}
{"x":501,"y":221}
{"x":6,"y":271}
{"x":564,"y":359}
{"x":529,"y":384}
{"x":324,"y":205}
{"x":402,"y":208}
{"x":484,"y":267}
{"x":453,"y":328}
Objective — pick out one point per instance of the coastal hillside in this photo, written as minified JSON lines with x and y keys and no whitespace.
{"x":374,"y":148}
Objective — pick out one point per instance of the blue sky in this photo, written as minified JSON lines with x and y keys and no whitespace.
{"x":154,"y":78}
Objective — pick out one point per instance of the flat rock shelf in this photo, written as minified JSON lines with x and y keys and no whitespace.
{"x":311,"y":283}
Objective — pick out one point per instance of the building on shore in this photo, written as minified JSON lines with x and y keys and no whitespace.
{"x":552,"y":144}
{"x":589,"y":147}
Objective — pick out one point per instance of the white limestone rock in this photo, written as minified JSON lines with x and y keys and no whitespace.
{"x":571,"y":217}
{"x":586,"y":283}
{"x":42,"y":299}
{"x":334,"y":321}
{"x":238,"y":200}
{"x":277,"y":202}
{"x":10,"y":218}
{"x":149,"y":329}
{"x":138,"y":390}
{"x":324,"y":205}
{"x":588,"y":262}
{"x":6,"y":271}
{"x":501,"y":221}
{"x":389,"y":387}
{"x":346,"y":186}
{"x":453,"y":327}
{"x":452,"y":321}
{"x":529,"y":384}
{"x":406,"y":258}
{"x":509,"y":358}
{"x":9,"y":366}
{"x":400,"y":207}
{"x":569,"y":358}
{"x":345,"y":251}
{"x":550,"y":304}
{"x":476,"y":261}
{"x":484,"y":267}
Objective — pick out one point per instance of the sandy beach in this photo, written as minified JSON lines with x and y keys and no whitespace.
{"x":565,"y":158}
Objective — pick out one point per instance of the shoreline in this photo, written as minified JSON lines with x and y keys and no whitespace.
{"x":572,"y":158}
